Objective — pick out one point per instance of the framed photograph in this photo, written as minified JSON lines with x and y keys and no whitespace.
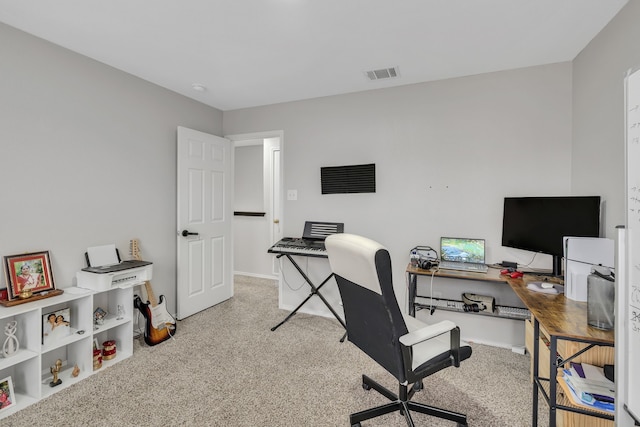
{"x":7,"y":397}
{"x":28,"y":272}
{"x":56,"y":325}
{"x":99,"y":315}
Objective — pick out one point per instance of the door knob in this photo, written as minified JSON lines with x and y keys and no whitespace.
{"x":186,"y":233}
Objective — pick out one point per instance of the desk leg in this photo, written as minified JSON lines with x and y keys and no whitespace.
{"x":413,"y":286}
{"x":536,"y":358}
{"x":553,"y":381}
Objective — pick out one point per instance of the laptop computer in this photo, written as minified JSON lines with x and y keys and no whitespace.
{"x":462,"y":254}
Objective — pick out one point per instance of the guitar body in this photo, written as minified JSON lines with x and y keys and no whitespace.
{"x":159,"y":324}
{"x":153,"y":335}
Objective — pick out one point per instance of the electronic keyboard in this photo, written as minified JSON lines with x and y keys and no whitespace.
{"x":299,"y":246}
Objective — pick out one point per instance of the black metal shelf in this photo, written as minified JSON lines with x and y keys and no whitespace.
{"x":458,"y":306}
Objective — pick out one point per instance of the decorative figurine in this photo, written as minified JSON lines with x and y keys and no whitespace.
{"x":55,"y":370}
{"x":120,"y":312}
{"x":76,"y":371}
{"x":25,"y":293}
{"x":11,"y":344}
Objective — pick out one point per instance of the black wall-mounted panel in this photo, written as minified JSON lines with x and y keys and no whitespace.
{"x":348,"y":179}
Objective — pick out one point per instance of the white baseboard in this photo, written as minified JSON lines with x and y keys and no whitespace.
{"x":520,"y":349}
{"x":259,"y":276}
{"x":324,"y":313}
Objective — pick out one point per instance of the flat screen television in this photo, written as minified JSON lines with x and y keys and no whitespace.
{"x":539,"y":224}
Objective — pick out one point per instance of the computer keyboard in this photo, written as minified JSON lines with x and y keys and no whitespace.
{"x":513,"y":312}
{"x":463,"y":266}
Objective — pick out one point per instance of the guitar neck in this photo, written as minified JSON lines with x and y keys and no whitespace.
{"x":150,"y":294}
{"x":135,"y":254}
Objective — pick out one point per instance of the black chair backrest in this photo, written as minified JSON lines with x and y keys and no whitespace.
{"x":362,"y":269}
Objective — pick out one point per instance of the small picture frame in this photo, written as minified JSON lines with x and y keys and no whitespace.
{"x":28,"y":272}
{"x":99,"y":315}
{"x":7,"y":397}
{"x":56,"y":325}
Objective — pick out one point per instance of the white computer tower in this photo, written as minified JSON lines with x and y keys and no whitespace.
{"x":580,"y":254}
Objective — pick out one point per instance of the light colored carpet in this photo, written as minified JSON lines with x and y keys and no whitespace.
{"x":225,"y":367}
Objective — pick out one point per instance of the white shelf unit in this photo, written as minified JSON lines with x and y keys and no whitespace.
{"x":29,"y":367}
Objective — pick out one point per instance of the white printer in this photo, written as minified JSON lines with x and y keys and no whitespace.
{"x":580,"y":254}
{"x":106,"y":270}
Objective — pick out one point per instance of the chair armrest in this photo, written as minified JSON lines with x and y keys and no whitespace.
{"x":428,"y":332}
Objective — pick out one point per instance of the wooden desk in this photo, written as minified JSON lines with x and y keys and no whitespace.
{"x":559,"y":315}
{"x":493,"y":275}
{"x":566,"y":320}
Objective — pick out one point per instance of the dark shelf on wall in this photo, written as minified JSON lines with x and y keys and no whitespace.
{"x":243,"y":213}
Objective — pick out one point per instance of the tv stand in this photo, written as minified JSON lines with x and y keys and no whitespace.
{"x":556,"y":270}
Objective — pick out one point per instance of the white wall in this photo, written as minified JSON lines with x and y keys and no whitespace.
{"x":598,"y":113}
{"x":88,"y":157}
{"x":250,"y":232}
{"x":249,"y":186}
{"x":446,"y":155}
{"x":598,"y":144}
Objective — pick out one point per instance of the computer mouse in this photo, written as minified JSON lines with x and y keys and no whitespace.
{"x":546,"y":285}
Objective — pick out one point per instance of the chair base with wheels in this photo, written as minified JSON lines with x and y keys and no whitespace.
{"x":402,"y":402}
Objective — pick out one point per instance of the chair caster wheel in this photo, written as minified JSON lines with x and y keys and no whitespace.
{"x":356,"y":425}
{"x":417,"y":386}
{"x":366,"y":387}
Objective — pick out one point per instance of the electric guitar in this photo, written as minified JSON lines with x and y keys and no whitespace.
{"x":159,"y":324}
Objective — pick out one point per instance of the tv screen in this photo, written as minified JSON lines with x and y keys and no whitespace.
{"x":539,"y":224}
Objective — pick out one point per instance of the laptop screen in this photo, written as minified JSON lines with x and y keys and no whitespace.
{"x":462,"y":250}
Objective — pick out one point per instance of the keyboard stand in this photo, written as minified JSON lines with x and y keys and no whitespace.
{"x":314,"y":291}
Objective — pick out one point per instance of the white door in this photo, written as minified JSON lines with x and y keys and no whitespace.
{"x":205,"y":218}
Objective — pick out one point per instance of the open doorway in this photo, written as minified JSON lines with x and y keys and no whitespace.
{"x":258,"y":202}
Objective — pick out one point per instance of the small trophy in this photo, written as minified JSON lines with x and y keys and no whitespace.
{"x":55,"y":370}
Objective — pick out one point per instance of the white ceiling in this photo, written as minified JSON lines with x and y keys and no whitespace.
{"x":258,"y":52}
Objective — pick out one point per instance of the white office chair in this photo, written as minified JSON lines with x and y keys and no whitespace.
{"x":407,"y":348}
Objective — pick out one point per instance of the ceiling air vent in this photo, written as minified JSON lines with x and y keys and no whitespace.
{"x":383,"y":73}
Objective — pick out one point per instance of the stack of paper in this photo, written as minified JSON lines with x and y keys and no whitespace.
{"x":589,"y":387}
